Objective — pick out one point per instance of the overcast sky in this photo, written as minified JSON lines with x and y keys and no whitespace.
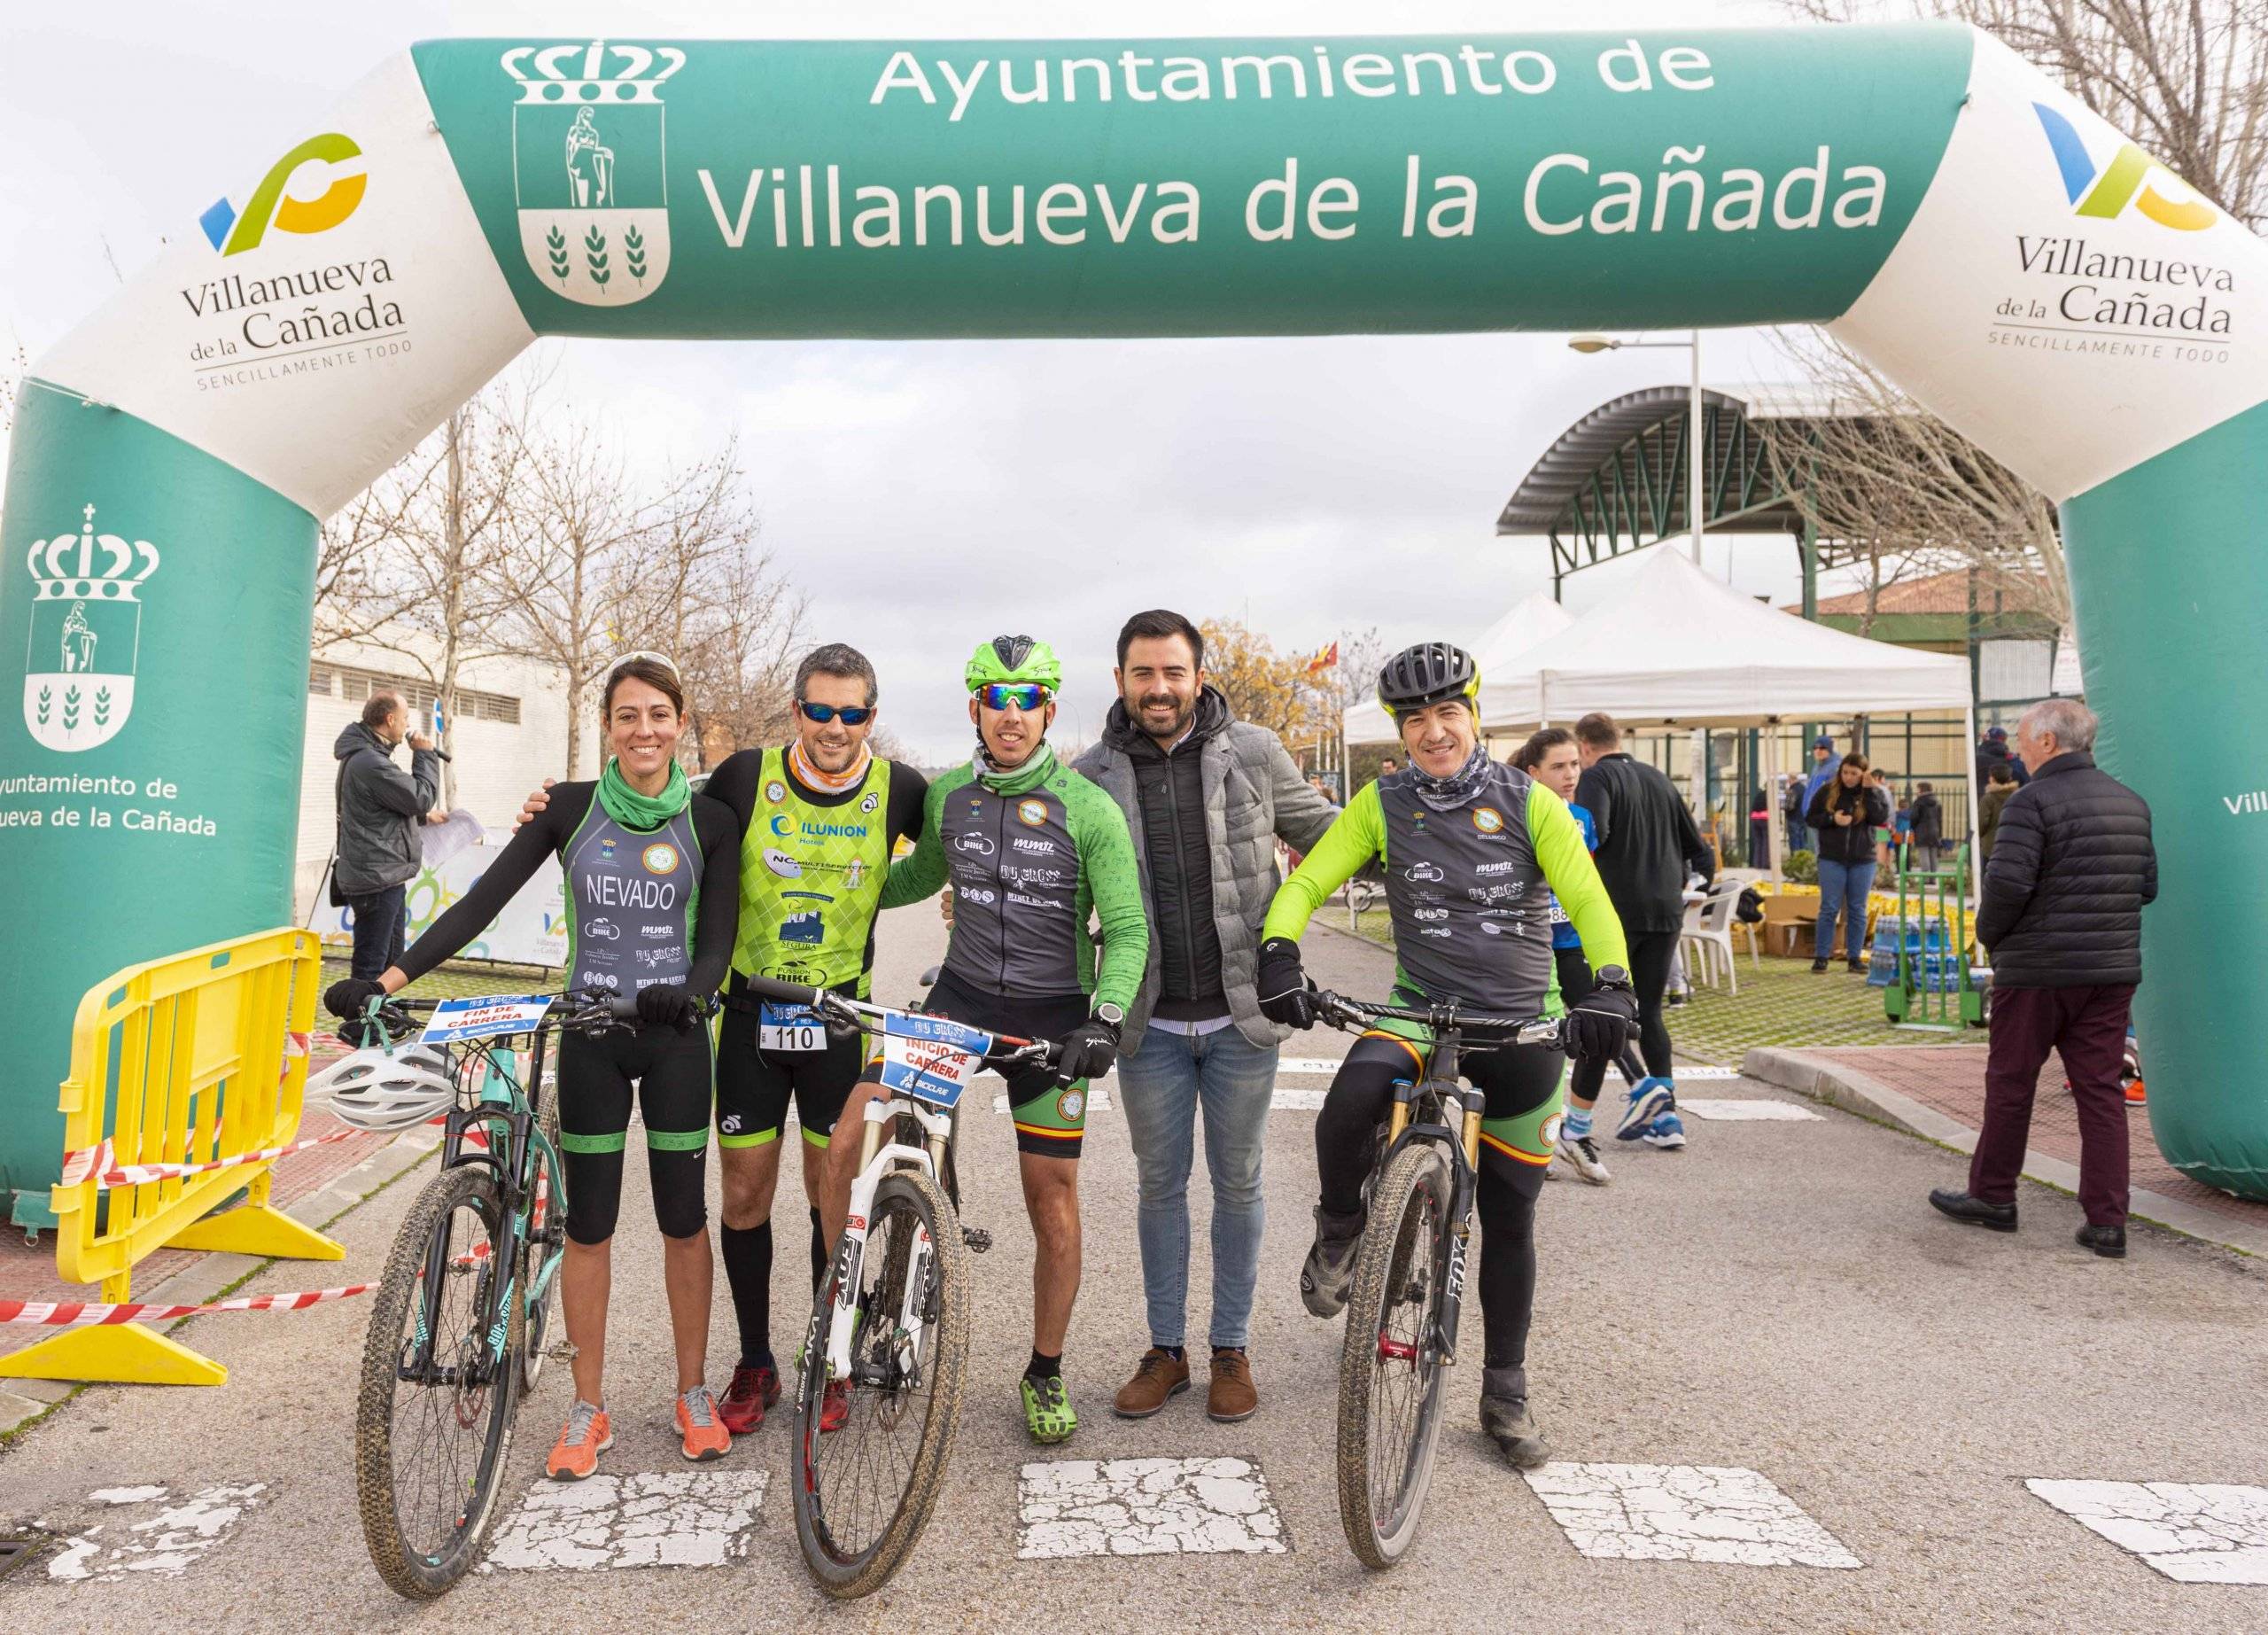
{"x":924,"y":495}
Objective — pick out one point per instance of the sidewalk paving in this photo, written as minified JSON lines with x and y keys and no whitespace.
{"x":1938,"y":1092}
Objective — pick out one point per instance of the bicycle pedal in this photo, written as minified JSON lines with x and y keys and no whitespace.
{"x":977,"y":1239}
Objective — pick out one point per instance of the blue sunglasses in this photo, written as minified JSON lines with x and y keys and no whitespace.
{"x":852,"y":714}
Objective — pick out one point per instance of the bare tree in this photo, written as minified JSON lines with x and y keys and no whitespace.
{"x":1907,"y":494}
{"x":737,"y":651}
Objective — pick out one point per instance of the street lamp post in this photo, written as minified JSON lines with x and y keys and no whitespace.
{"x":1593,"y":343}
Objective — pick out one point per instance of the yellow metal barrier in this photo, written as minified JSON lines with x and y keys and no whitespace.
{"x":180,"y":1061}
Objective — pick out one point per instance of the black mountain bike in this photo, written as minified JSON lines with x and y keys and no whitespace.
{"x":1409,"y":1283}
{"x":463,"y":1313}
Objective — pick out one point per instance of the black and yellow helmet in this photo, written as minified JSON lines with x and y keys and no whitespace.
{"x":1430,"y":672}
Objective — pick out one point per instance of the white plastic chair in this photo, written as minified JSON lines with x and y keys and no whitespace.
{"x":1708,"y":931}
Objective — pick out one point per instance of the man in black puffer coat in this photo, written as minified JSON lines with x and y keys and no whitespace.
{"x":2062,"y":915}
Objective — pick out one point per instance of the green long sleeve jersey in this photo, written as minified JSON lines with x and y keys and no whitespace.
{"x":1033,"y":858}
{"x":1470,"y":889}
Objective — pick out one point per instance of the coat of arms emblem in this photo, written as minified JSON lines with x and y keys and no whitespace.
{"x":86,"y":634}
{"x":589,"y":136}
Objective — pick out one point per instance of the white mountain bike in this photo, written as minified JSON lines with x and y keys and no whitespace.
{"x":888,"y":1346}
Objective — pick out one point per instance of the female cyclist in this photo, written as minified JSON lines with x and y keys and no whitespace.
{"x":653,"y":894}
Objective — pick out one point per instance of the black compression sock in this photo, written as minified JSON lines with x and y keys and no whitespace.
{"x":818,"y":1252}
{"x":1043,"y":1367}
{"x":747,"y":1270}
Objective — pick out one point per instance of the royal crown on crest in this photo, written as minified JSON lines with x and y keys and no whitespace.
{"x":563,"y":76}
{"x":90,"y":566}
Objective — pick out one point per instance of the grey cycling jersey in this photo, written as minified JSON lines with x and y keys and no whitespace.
{"x":1472,"y":913}
{"x":631,"y":902}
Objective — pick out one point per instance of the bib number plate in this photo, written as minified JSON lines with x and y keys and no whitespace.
{"x":790,"y":1027}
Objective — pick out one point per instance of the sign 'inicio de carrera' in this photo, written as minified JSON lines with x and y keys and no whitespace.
{"x":2020,"y":267}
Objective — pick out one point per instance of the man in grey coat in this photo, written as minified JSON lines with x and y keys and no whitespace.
{"x":1206,"y":798}
{"x":379,"y":809}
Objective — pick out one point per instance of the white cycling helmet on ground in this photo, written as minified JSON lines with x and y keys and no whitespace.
{"x":379,"y":1090}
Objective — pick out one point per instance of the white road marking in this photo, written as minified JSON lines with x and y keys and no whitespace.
{"x":1098,"y":1101}
{"x":1689,"y":1073}
{"x":1290,"y":1101}
{"x":164,"y":1545}
{"x":2191,"y":1532}
{"x":677,"y":1518}
{"x":1325,"y":1065}
{"x":1683,"y":1513}
{"x":1145,"y":1506}
{"x":1755,"y":1110}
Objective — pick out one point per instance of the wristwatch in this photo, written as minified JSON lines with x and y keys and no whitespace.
{"x":1611,"y":977}
{"x":1115,"y":1016}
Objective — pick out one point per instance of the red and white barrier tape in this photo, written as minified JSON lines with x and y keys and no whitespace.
{"x":65,"y":1313}
{"x":100,"y":1163}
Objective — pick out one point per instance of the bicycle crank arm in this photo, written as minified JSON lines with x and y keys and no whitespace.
{"x":976,"y":1238}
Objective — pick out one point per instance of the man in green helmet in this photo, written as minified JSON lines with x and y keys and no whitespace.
{"x":1034,"y":852}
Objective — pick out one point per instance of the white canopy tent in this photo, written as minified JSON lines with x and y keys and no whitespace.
{"x":1530,"y":621}
{"x":1679,"y":648}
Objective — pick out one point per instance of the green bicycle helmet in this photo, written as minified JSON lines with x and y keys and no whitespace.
{"x":1014,"y":658}
{"x":1430,"y":672}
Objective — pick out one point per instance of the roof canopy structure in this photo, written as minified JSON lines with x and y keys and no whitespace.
{"x":1532,"y":618}
{"x":1678,"y":648}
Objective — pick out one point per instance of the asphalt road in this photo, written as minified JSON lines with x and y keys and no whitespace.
{"x":1777,"y":1299}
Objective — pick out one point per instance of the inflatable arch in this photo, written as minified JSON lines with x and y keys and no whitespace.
{"x":2017,"y":263}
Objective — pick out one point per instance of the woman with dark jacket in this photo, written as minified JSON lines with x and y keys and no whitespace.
{"x":1846,"y":812}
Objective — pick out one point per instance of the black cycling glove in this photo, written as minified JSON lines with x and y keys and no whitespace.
{"x":1285,"y":994}
{"x":1087,"y":1051}
{"x":350,"y":997}
{"x":666,"y":1004}
{"x":1605,"y":1020}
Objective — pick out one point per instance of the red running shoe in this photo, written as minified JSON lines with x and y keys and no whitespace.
{"x":835,"y":1406}
{"x":751,"y":1393}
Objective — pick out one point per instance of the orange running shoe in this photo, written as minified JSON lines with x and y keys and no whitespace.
{"x":751,"y":1392}
{"x":576,"y":1454}
{"x":2136,"y":1095}
{"x":835,"y":1406}
{"x":705,"y":1435}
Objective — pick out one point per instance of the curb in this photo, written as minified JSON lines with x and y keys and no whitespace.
{"x":1855,"y":1092}
{"x":212,"y":1275}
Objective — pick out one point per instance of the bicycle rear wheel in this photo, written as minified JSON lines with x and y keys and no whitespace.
{"x":864,"y":1493}
{"x":1390,"y":1374}
{"x":433,"y":1420}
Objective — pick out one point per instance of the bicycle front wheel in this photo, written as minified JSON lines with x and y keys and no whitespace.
{"x":864,"y":1491}
{"x":544,"y":1236}
{"x":1390,"y":1373}
{"x":441,"y":1385}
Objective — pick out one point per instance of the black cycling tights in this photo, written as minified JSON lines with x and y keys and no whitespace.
{"x":675,"y":1089}
{"x":1517,"y":1081}
{"x":1651,"y":954}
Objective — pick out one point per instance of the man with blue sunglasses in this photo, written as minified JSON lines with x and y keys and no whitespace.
{"x":818,"y":819}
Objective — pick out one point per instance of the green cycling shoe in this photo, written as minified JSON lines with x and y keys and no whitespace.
{"x":1048,"y":1415}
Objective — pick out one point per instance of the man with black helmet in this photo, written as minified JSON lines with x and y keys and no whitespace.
{"x":1469,"y":846}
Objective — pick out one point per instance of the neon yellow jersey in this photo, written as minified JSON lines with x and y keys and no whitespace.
{"x":811,"y":878}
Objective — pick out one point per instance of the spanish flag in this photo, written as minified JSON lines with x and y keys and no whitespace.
{"x":1324,"y":658}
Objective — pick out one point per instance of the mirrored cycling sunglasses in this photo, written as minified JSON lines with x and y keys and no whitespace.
{"x":1023,"y":695}
{"x":852,"y":714}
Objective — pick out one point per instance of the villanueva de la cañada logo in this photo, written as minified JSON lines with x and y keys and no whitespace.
{"x":233,"y":233}
{"x":588,"y":141}
{"x":86,"y":634}
{"x":2106,"y":193}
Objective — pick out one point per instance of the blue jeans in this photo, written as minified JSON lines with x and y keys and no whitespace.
{"x":1844,"y":886}
{"x":1161,"y":1087}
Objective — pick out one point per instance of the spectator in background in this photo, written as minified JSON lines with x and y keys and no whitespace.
{"x":1845,"y":813}
{"x":1997,"y":791}
{"x":1387,"y":767}
{"x":379,"y":809}
{"x":2061,"y":913}
{"x":1822,"y":769}
{"x":1792,"y":807}
{"x":1927,"y":825}
{"x":1992,"y":749}
{"x":1760,"y":827}
{"x":1647,"y":840}
{"x":1887,"y":831}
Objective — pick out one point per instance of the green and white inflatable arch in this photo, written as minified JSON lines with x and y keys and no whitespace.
{"x":1997,"y":248}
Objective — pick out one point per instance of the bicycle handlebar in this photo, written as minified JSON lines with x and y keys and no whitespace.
{"x":856,"y":1013}
{"x":1546,"y":1030}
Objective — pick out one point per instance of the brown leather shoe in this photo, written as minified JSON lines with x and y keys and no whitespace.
{"x":1157,"y":1377}
{"x":1230,"y":1395}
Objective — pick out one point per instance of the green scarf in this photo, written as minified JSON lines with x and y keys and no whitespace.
{"x":626,"y":806}
{"x":1023,"y":780}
